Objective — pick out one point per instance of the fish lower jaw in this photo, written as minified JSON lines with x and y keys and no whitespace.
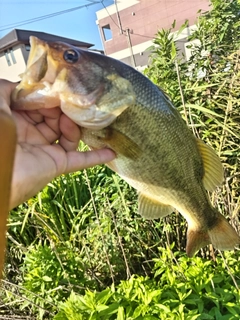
{"x":32,"y":96}
{"x":89,"y":118}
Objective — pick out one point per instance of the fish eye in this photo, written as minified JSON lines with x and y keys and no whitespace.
{"x":71,"y":56}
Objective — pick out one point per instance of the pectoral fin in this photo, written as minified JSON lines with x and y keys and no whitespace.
{"x":119,"y":143}
{"x":213,"y":170}
{"x":152,"y":209}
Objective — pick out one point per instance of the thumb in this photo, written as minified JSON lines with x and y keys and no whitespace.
{"x":81,"y":160}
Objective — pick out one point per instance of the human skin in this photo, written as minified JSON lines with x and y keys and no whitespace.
{"x":47,"y":142}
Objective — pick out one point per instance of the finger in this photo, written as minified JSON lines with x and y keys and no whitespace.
{"x":49,"y":127}
{"x":51,"y":112}
{"x":40,"y":115}
{"x":82,"y":160}
{"x":71,"y":134}
{"x":6,"y":88}
{"x":48,"y":133}
{"x":32,"y":117}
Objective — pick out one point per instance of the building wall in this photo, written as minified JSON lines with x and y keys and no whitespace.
{"x":13,"y":63}
{"x":140,"y":21}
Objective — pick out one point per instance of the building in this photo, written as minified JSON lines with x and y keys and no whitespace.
{"x":15,"y":47}
{"x":128,"y":27}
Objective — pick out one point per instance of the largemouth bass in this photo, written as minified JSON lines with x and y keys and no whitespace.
{"x":119,"y":108}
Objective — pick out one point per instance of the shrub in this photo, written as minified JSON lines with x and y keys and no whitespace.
{"x":181,"y":288}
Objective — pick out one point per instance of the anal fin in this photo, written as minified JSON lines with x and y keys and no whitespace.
{"x":149,"y":208}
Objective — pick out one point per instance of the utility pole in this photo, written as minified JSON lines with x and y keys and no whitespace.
{"x":133,"y":61}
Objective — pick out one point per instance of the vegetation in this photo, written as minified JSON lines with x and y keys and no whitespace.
{"x":79,"y":250}
{"x":181,"y":288}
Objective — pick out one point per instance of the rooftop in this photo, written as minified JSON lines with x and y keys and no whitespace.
{"x":18,"y":36}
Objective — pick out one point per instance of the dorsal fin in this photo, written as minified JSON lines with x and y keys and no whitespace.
{"x":213,"y":169}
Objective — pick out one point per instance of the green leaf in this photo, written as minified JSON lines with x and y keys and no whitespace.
{"x":204,"y":110}
{"x":173,"y":51}
{"x":46,"y":278}
{"x":182,"y":27}
{"x":163,"y":307}
{"x":121,"y":314}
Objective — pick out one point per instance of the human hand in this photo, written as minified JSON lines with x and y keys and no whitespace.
{"x":38,"y":157}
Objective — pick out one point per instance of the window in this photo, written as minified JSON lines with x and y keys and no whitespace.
{"x":107,"y":32}
{"x":10,"y":57}
{"x":7,"y":58}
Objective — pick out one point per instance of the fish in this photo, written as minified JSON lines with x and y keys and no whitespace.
{"x":119,"y":108}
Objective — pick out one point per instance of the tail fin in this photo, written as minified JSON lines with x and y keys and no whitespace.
{"x":222,"y":236}
{"x":196,"y":239}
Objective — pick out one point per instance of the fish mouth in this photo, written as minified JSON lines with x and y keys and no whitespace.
{"x":92,"y":95}
{"x":34,"y":90}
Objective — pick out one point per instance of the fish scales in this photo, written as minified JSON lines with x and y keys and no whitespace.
{"x":162,"y":169}
{"x":118,"y":107}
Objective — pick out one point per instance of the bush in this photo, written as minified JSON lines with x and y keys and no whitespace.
{"x":182,"y":288}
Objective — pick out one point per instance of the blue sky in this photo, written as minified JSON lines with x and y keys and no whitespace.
{"x":79,"y":24}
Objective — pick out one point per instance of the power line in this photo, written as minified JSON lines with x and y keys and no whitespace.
{"x":23,"y":22}
{"x":109,"y":15}
{"x":124,"y":30}
{"x":141,"y":35}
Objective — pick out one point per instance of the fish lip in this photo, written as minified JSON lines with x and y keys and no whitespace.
{"x":35,"y":52}
{"x":37,"y":60}
{"x":36,"y":78}
{"x":46,"y":83}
